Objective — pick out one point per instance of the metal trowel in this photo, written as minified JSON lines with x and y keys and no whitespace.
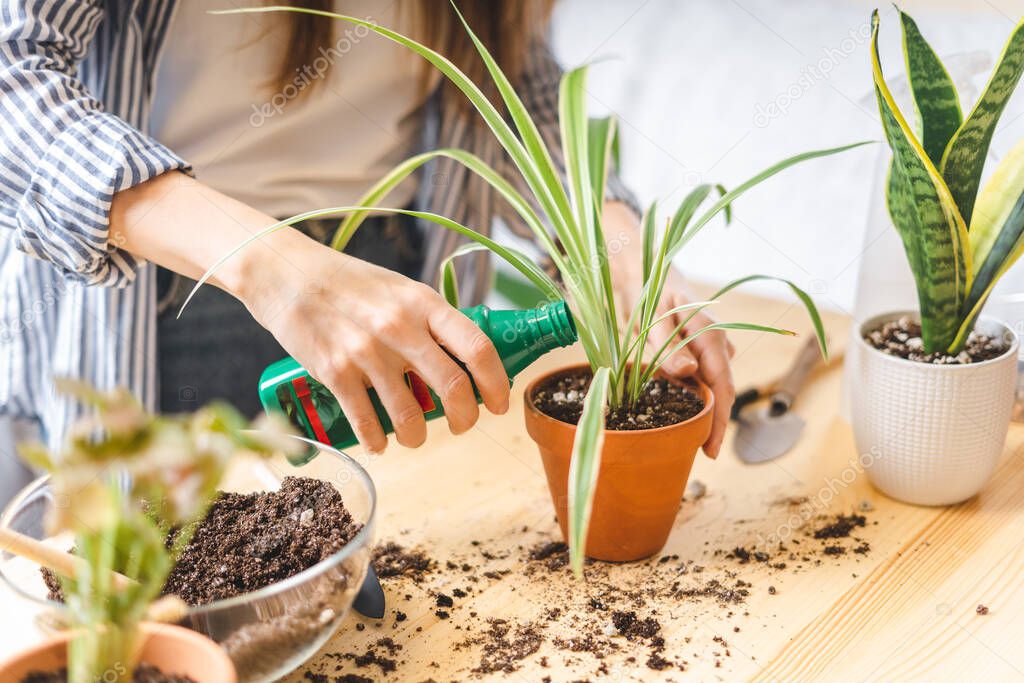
{"x":767,"y":428}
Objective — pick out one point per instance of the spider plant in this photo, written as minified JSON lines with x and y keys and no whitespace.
{"x":933,"y":183}
{"x":121,"y":523}
{"x":565,"y":216}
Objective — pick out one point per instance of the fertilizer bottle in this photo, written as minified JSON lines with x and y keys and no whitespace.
{"x":520,"y":338}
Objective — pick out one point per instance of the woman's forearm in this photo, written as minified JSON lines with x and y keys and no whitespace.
{"x":350,"y":323}
{"x":177,"y":222}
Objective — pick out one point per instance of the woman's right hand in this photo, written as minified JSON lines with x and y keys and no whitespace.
{"x":349,"y":323}
{"x":352,"y":324}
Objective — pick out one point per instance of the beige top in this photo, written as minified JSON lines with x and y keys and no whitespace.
{"x":291,"y":149}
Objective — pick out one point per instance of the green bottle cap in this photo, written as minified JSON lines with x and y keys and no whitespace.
{"x":555,"y":324}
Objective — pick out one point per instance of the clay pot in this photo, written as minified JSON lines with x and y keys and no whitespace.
{"x":172,"y":649}
{"x":640,"y":482}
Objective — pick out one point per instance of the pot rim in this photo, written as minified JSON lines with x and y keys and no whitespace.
{"x":151,"y":629}
{"x":708,"y":397}
{"x":959,"y":367}
{"x":361,"y":539}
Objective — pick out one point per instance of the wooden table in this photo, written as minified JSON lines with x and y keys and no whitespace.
{"x":906,"y":608}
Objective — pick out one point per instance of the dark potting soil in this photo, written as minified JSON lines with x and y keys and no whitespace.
{"x":621,"y":623}
{"x":391,"y":559}
{"x":144,"y":673}
{"x":841,"y":527}
{"x":902,"y":338}
{"x":249,"y":541}
{"x":661,"y":403}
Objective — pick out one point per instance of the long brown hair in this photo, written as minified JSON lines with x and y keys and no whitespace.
{"x":506,"y":27}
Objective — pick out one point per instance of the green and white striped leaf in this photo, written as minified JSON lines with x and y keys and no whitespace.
{"x":664,"y":353}
{"x":729,"y":197}
{"x":935,"y":96}
{"x":924,"y":213}
{"x":965,"y":155}
{"x":517,"y":260}
{"x":804,"y":297}
{"x":584,"y":467}
{"x":395,"y":176}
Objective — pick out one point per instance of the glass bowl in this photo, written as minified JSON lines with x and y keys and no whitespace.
{"x":268,"y":632}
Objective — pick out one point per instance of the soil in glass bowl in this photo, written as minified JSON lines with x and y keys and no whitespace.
{"x":251,"y":540}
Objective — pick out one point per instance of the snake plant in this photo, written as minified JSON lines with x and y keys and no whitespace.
{"x":566,"y":218}
{"x":175,"y":464}
{"x":959,"y":241}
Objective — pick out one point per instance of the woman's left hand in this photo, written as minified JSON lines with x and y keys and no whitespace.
{"x":706,"y":357}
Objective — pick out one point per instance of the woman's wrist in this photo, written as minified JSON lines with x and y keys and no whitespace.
{"x":181,"y":224}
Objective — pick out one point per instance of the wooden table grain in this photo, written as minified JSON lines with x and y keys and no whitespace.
{"x":906,"y":609}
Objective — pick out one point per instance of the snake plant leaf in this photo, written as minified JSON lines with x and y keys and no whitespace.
{"x":935,"y":96}
{"x":964,"y":159}
{"x":994,"y":227}
{"x":997,"y":234}
{"x":927,"y":218}
{"x":584,"y":467}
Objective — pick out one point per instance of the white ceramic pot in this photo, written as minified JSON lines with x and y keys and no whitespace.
{"x":930,"y":434}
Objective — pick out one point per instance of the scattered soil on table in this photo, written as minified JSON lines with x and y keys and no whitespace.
{"x":505,"y":644}
{"x":661,"y":403}
{"x":841,"y":527}
{"x":391,"y":560}
{"x":144,"y":673}
{"x":250,"y":541}
{"x":902,"y":338}
{"x":982,"y":610}
{"x":612,"y":626}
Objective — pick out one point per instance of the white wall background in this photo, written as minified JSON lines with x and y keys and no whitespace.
{"x":693,"y":83}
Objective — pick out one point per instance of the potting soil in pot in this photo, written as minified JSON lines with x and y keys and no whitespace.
{"x":661,"y":403}
{"x":249,"y":541}
{"x":144,"y":673}
{"x":902,"y":338}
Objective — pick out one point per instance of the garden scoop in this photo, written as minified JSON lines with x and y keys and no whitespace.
{"x":768,"y":429}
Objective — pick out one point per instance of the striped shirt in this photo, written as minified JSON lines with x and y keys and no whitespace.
{"x":76,"y":84}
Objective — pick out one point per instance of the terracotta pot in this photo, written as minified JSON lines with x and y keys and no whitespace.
{"x":172,"y":649}
{"x":640,"y":483}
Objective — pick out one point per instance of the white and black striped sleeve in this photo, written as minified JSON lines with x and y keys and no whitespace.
{"x":65,"y":157}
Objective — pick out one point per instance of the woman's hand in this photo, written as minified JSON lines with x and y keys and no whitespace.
{"x":707,"y":356}
{"x":353,"y":324}
{"x":349,"y":323}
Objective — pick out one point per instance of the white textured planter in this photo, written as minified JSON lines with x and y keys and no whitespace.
{"x":930,"y":434}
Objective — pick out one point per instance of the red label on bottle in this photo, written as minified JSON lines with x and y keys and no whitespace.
{"x":305,"y":398}
{"x":420,"y":391}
